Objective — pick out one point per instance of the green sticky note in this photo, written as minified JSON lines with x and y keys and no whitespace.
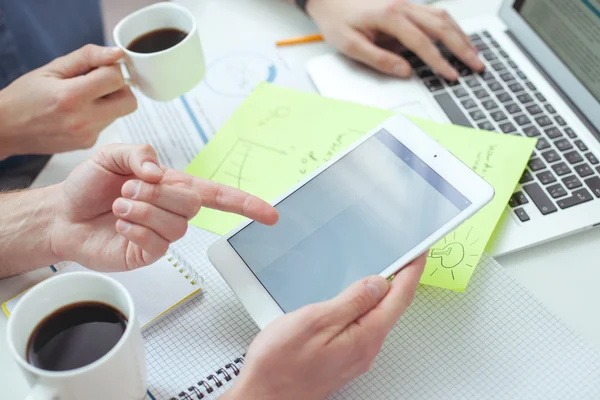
{"x":278,"y":136}
{"x":500,"y":160}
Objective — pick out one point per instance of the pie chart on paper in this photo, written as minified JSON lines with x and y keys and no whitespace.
{"x":237,"y":74}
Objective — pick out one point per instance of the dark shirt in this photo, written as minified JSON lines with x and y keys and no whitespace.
{"x":33,"y":33}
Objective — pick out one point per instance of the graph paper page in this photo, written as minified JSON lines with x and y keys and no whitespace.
{"x":495,"y":341}
{"x":203,"y":335}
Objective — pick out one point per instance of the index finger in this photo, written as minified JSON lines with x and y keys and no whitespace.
{"x":84,"y":60}
{"x":419,"y":43}
{"x":398,"y":299}
{"x":100,"y":82}
{"x":225,"y":198}
{"x":448,"y":32}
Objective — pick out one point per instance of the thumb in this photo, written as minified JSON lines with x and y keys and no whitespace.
{"x":399,"y":297}
{"x":84,"y":60}
{"x":357,"y":300}
{"x":126,"y":159}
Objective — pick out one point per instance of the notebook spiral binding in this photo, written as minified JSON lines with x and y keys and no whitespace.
{"x":208,"y":385}
{"x":184,"y":268}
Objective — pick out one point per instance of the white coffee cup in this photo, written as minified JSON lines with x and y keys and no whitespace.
{"x":168,"y":74}
{"x":119,"y":374}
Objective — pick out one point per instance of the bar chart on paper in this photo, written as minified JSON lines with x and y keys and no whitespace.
{"x":240,"y":166}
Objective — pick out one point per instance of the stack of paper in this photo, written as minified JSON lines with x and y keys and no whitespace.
{"x":280,"y":135}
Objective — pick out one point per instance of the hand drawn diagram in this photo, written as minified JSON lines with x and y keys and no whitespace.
{"x":243,"y":166}
{"x":483,"y":162}
{"x":453,"y":253}
{"x":250,"y":165}
{"x":237,"y":74}
{"x":315,"y":158}
{"x":276,"y":114}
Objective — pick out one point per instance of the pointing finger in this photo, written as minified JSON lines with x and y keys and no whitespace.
{"x":225,"y":198}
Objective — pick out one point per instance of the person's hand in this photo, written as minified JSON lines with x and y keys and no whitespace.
{"x":120,"y":210}
{"x":65,"y":104}
{"x":353,"y":26}
{"x":312,"y":352}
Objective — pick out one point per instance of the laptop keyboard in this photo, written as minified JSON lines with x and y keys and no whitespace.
{"x":562,"y":172}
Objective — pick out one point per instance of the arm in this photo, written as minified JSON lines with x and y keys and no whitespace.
{"x":25,"y":225}
{"x":118,"y":211}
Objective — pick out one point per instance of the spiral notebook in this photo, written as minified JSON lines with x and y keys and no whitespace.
{"x":495,"y":341}
{"x":155,"y":289}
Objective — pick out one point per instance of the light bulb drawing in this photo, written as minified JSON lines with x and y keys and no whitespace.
{"x":453,"y":253}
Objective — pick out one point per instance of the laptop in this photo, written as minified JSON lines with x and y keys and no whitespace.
{"x":542,"y":80}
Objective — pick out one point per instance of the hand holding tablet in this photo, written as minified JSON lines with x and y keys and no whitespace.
{"x":369,"y":211}
{"x":323,"y":346}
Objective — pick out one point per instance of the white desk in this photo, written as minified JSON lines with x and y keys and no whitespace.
{"x":564,"y":274}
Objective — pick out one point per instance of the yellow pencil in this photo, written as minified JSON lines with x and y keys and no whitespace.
{"x":300,"y":39}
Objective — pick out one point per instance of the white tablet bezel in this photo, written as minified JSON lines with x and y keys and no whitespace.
{"x":257,"y":300}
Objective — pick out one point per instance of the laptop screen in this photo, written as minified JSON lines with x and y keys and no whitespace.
{"x":571,"y":28}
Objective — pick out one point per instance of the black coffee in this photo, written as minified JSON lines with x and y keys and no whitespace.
{"x":158,"y":40}
{"x":75,"y":336}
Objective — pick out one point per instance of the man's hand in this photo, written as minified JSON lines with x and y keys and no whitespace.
{"x":310,"y":353}
{"x":353,"y":26}
{"x":121,"y":210}
{"x":65,"y":104}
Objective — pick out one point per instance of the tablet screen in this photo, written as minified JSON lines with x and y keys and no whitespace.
{"x":354,"y":219}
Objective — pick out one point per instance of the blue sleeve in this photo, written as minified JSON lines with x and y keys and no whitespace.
{"x":42,"y":30}
{"x":33,"y":33}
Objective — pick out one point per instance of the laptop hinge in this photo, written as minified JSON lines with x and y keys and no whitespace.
{"x":560,"y":92}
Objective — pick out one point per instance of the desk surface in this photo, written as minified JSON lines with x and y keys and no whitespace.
{"x":563,"y":274}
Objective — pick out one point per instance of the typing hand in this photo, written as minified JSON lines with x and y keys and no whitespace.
{"x":120,"y":210}
{"x":353,"y":26}
{"x":310,"y":353}
{"x":65,"y":104}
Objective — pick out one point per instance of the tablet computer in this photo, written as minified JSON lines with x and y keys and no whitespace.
{"x":372,"y":209}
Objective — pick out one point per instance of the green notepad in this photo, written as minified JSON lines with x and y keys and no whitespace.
{"x":278,"y":136}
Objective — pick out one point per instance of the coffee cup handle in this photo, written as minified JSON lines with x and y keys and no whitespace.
{"x":41,"y":392}
{"x":126,"y":73}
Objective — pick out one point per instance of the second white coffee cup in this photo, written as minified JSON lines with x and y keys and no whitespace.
{"x":119,"y":374}
{"x":167,"y":74}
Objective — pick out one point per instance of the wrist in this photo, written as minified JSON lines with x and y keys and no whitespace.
{"x":26,"y":229}
{"x":8,"y":132}
{"x":62,"y":231}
